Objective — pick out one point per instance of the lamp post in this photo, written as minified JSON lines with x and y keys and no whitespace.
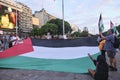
{"x":63,"y":18}
{"x":16,"y":20}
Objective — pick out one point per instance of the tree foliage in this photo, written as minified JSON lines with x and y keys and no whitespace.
{"x":84,"y":34}
{"x":80,"y":34}
{"x":49,"y":27}
{"x":59,"y":23}
{"x":118,"y":28}
{"x":40,"y":32}
{"x":75,"y":34}
{"x":34,"y":32}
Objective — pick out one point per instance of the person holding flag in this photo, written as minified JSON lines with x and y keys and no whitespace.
{"x":109,"y":48}
{"x":116,"y":34}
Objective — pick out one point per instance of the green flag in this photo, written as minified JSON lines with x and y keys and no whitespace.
{"x":100,"y":24}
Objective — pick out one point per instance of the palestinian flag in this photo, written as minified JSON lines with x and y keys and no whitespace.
{"x":114,"y":28}
{"x":100,"y":24}
{"x":64,"y":59}
{"x":111,"y":25}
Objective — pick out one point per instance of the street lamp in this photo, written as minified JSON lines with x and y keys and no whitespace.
{"x":16,"y":20}
{"x":63,"y":19}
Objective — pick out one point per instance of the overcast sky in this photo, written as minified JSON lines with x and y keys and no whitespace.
{"x":82,"y":13}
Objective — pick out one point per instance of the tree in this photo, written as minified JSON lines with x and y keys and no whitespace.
{"x":118,"y":28}
{"x":34,"y":32}
{"x":84,"y":34}
{"x":79,"y":34}
{"x":85,"y":29}
{"x":59,"y":23}
{"x":49,"y":27}
{"x":40,"y":32}
{"x":76,"y":34}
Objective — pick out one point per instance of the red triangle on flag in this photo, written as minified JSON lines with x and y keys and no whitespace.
{"x":18,"y":49}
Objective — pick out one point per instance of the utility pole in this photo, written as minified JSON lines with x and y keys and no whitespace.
{"x":16,"y":20}
{"x":63,"y":18}
{"x":43,"y":22}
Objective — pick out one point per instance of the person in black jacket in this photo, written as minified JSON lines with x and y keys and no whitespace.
{"x":101,"y":72}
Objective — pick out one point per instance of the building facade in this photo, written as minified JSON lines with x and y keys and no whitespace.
{"x":35,"y":22}
{"x":43,"y":17}
{"x":25,"y":19}
{"x":12,"y":4}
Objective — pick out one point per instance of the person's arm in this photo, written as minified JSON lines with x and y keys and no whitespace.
{"x":94,"y":61}
{"x":90,"y":56}
{"x":102,"y":36}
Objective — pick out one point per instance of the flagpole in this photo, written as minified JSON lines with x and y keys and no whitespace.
{"x":63,"y":18}
{"x":42,"y":4}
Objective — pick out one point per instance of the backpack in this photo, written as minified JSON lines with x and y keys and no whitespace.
{"x":116,"y":42}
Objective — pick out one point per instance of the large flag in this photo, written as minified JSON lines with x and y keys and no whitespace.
{"x":100,"y":24}
{"x":62,"y":59}
{"x":114,"y":28}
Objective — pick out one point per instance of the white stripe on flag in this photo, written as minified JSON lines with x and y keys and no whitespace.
{"x":69,"y":59}
{"x":61,"y":53}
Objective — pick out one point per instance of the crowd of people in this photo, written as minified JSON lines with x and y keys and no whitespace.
{"x":102,"y":66}
{"x":8,"y":40}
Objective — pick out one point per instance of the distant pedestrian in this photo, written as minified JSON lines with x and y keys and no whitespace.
{"x":5,"y":41}
{"x":1,"y":44}
{"x":13,"y":39}
{"x":10,"y":41}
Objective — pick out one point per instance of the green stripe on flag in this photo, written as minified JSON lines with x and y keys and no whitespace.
{"x":79,"y":65}
{"x":101,"y":28}
{"x":115,"y":30}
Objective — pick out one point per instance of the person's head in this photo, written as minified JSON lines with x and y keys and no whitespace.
{"x":110,"y":31}
{"x":101,"y":59}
